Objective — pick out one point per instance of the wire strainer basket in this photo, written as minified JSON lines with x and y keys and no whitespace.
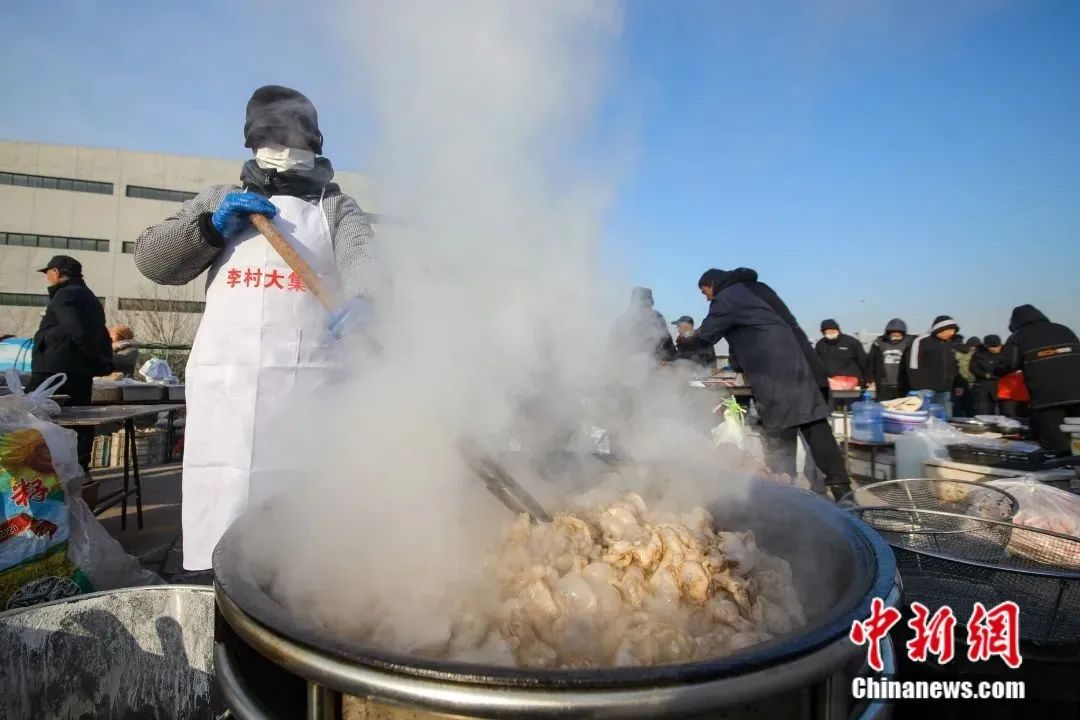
{"x":1037,"y":569}
{"x":895,"y":508}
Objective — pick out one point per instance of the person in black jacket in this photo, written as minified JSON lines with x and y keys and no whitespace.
{"x":930,"y":361}
{"x":787,"y":376}
{"x":1049,"y":355}
{"x":72,"y":339}
{"x":885,"y":359}
{"x":986,"y":364}
{"x":690,"y":347}
{"x":842,"y":355}
{"x":641,"y":329}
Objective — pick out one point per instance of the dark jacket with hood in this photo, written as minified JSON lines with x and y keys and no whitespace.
{"x":987,"y":368}
{"x":1049,"y":355}
{"x":842,"y":356}
{"x":930,"y":362}
{"x":641,"y":329}
{"x":885,"y":359}
{"x":693,"y":349}
{"x":72,"y":337}
{"x":775,"y":355}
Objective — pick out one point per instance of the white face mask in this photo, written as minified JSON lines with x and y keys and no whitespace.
{"x":278,"y":157}
{"x":832,"y":334}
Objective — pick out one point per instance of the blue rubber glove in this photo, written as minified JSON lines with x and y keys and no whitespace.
{"x":233,"y":213}
{"x":352,"y":318}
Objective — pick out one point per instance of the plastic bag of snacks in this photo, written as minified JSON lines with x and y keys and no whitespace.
{"x":51,"y":545}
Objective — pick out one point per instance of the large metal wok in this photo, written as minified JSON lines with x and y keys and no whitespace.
{"x":839,"y":565}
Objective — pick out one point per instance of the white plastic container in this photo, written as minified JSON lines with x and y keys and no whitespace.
{"x":1074,"y":433}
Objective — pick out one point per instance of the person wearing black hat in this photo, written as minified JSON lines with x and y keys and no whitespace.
{"x":1048,"y":353}
{"x":690,"y":347}
{"x":930,"y":362}
{"x":884,"y":361}
{"x":71,"y":339}
{"x":987,"y":364}
{"x":787,"y":376}
{"x":262,"y":324}
{"x":842,"y":354}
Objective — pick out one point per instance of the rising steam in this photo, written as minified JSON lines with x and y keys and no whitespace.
{"x":494,"y":319}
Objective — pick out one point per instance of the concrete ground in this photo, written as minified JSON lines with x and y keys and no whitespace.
{"x":157,"y":545}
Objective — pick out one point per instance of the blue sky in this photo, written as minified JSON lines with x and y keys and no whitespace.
{"x":869,"y":159}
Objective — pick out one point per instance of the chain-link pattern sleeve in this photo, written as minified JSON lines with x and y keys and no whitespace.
{"x":177,"y":250}
{"x":353,"y":238}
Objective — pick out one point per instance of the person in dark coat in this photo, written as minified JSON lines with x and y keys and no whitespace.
{"x":641,"y":329}
{"x":690,"y":347}
{"x":1049,"y":356}
{"x":885,"y":360}
{"x":787,"y":376}
{"x":963,"y":396}
{"x":986,"y":363}
{"x":71,"y":339}
{"x":930,"y":361}
{"x":842,"y":355}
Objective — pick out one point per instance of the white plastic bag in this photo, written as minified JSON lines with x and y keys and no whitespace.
{"x":38,"y":401}
{"x":157,"y":370}
{"x":1045,"y":508}
{"x":731,"y":429}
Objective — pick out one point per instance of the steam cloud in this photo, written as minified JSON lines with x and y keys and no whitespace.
{"x":494,"y":318}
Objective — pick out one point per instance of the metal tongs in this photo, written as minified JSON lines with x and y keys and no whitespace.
{"x":502,"y":485}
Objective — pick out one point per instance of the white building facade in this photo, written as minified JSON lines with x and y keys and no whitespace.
{"x":91,"y":204}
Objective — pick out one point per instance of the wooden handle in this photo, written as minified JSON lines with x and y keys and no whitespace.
{"x":294,"y":261}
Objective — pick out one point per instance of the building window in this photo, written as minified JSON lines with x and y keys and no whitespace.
{"x":24,"y":299}
{"x":129,"y":248}
{"x":152,"y":305}
{"x":53,"y":242}
{"x":149,"y":193}
{"x":30,"y":300}
{"x":55,"y":183}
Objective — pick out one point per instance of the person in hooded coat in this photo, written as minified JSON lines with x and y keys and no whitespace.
{"x":842,"y":355}
{"x":263,"y":341}
{"x":885,"y":360}
{"x":643,"y":330}
{"x":987,"y":362}
{"x":930,"y":361}
{"x":1049,"y":356}
{"x":787,"y":376}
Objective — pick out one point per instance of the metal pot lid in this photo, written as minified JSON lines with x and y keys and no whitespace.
{"x":867,"y":565}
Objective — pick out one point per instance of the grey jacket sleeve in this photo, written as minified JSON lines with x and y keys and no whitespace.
{"x":353,"y":238}
{"x":178,"y":249}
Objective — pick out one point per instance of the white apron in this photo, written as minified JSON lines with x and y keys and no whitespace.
{"x":262,"y":346}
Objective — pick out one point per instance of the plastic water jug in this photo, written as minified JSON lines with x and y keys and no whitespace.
{"x":937,"y":410}
{"x":867,"y":423}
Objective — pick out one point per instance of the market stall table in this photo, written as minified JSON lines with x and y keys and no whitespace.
{"x":872,"y":447}
{"x":98,"y":416}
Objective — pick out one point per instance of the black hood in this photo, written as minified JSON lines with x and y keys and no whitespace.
{"x":284,"y":116}
{"x":1025,"y":315}
{"x":896,"y":325}
{"x":720,"y":279}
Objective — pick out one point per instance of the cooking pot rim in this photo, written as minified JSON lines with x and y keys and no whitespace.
{"x":872,"y":575}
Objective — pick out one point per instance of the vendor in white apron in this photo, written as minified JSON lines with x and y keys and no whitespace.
{"x":263,"y":342}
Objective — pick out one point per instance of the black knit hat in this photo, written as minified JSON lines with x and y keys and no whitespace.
{"x":943,"y":322}
{"x":829,"y":324}
{"x":284,"y":116}
{"x":896,"y":325}
{"x":974,"y":341}
{"x":992,"y":340}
